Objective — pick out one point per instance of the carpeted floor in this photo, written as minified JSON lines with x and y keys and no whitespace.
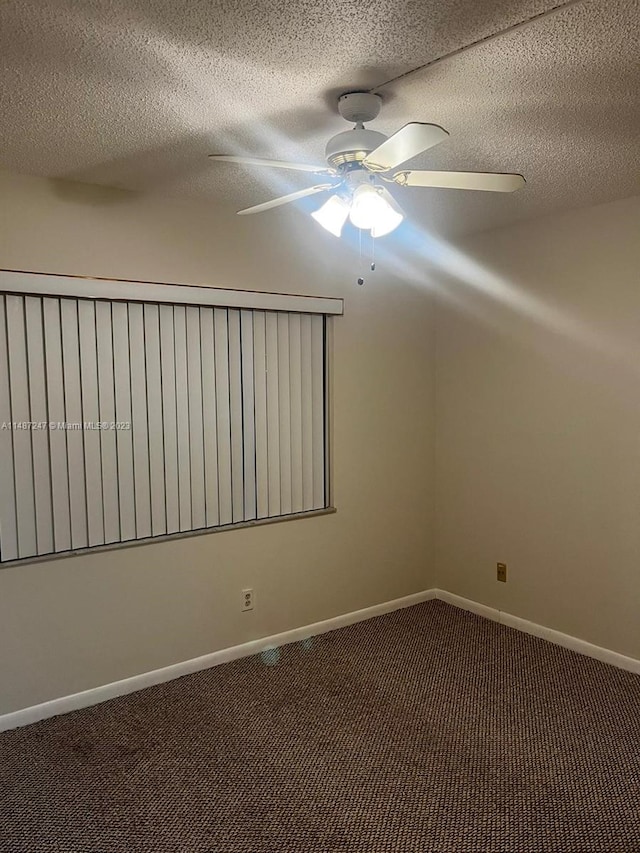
{"x":424,"y":731}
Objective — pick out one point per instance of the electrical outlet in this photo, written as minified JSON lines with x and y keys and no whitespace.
{"x":247,"y":599}
{"x":502,"y":572}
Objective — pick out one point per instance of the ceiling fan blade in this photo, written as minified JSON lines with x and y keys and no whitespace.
{"x":412,"y":139}
{"x":496,"y":182}
{"x":285,"y":199}
{"x":277,"y":164}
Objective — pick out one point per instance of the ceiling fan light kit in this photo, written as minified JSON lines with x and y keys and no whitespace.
{"x":360,"y":159}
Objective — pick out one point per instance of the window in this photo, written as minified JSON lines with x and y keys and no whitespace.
{"x":130,"y":411}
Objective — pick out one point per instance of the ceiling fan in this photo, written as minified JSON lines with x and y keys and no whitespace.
{"x":361,"y":160}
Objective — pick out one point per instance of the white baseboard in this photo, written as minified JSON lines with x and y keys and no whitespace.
{"x":556,"y":637}
{"x":95,"y":695}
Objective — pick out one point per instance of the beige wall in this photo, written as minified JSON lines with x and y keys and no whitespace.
{"x":71,"y":624}
{"x":537,"y":445}
{"x":538,"y":423}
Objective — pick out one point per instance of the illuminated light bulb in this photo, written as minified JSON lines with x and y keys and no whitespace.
{"x":367,"y":207}
{"x":375,"y":209}
{"x":333,"y":214}
{"x":389,"y":218}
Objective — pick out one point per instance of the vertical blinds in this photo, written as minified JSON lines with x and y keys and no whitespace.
{"x":125,"y":420}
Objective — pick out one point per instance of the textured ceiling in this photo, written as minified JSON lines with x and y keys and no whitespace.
{"x":135,"y":93}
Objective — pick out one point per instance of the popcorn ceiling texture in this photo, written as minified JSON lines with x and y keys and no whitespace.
{"x":135,"y":93}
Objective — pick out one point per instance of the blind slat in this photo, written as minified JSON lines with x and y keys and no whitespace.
{"x":223,"y":415}
{"x":39,"y":414}
{"x":317,"y":403}
{"x":169,"y":418}
{"x":139,"y":422}
{"x":21,"y":413}
{"x":182,"y":417}
{"x":154,"y":419}
{"x":306,"y":369}
{"x":273,"y":414}
{"x":73,"y":417}
{"x":124,"y":438}
{"x":8,"y":525}
{"x":196,"y":428}
{"x":284,"y":410}
{"x":57,"y":437}
{"x":295,"y":397}
{"x":235,"y":416}
{"x":260,"y":409}
{"x":91,"y":416}
{"x":248,"y":414}
{"x":108,"y":436}
{"x":209,"y":417}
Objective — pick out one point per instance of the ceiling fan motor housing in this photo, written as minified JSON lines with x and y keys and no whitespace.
{"x":352,"y":146}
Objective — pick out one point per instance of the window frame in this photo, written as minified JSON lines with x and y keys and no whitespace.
{"x":22,"y":283}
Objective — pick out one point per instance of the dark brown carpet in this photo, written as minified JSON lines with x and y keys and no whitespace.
{"x":425,"y":730}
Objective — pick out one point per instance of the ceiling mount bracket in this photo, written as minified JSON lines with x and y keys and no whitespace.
{"x":359,"y":107}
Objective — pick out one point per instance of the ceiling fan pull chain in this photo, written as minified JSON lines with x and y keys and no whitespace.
{"x":360,"y":279}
